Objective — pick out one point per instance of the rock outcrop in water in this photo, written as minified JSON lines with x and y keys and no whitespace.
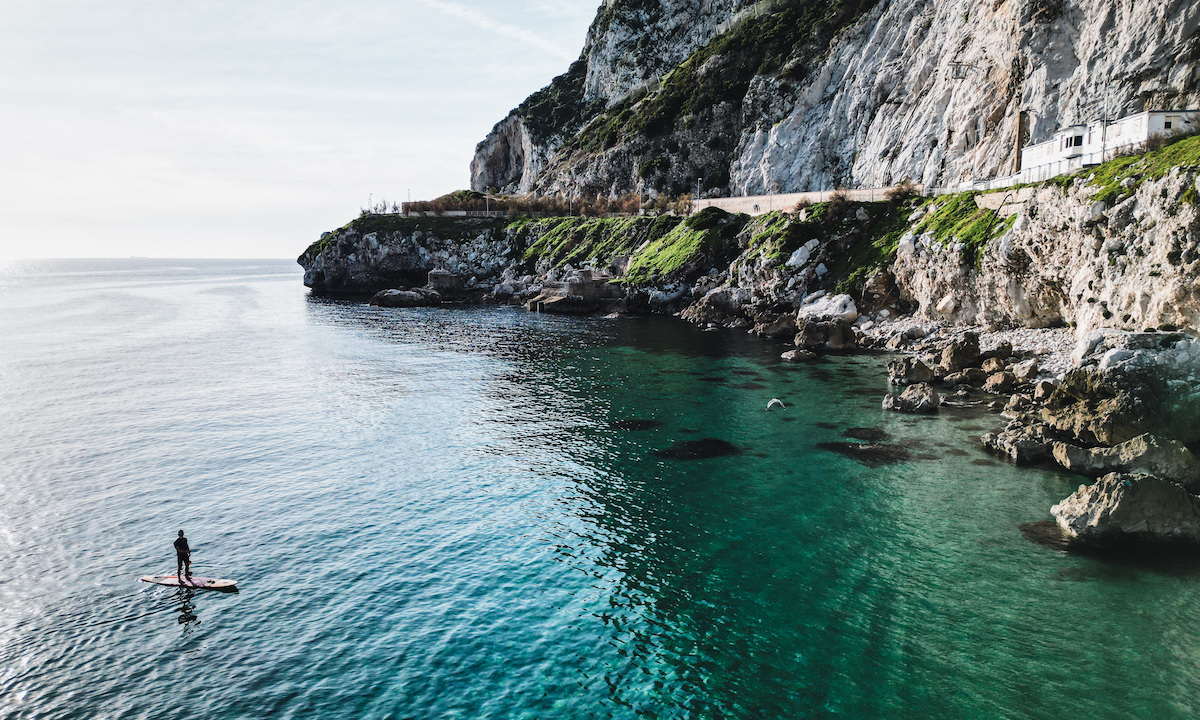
{"x":1120,"y":508}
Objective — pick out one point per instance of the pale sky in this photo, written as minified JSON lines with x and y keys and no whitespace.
{"x":246,"y":128}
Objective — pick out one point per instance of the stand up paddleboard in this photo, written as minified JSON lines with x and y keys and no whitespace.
{"x":195,"y":581}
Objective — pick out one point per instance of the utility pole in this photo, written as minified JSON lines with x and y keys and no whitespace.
{"x":696,"y":202}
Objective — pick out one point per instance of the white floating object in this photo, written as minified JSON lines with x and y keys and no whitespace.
{"x":774,"y":402}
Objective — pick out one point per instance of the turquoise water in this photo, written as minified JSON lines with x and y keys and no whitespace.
{"x":431,"y":515}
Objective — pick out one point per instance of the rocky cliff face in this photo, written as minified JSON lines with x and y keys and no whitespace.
{"x":790,"y":95}
{"x":1070,"y":258}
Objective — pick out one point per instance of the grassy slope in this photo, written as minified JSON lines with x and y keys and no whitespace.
{"x":1180,"y":151}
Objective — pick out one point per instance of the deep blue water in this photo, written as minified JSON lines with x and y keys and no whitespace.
{"x":431,"y":516}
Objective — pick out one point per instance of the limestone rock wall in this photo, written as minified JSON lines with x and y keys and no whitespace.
{"x":1070,"y":259}
{"x":353,"y":261}
{"x":931,"y":90}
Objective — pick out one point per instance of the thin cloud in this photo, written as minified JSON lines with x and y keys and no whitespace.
{"x":479,"y":20}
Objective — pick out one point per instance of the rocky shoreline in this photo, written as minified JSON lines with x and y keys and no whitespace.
{"x":1070,"y":309}
{"x":1106,"y":407}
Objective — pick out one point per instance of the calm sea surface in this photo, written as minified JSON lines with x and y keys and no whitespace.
{"x":431,"y":515}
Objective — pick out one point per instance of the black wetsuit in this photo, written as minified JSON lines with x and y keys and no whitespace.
{"x":182,"y":551}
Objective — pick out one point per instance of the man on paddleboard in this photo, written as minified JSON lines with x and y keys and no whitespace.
{"x":183,"y":556}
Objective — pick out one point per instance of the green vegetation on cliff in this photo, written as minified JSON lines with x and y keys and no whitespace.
{"x":957,"y":218}
{"x":657,"y":248}
{"x":559,"y":107}
{"x":699,"y":238}
{"x":452,"y":228}
{"x":576,"y":239}
{"x":1123,"y":175}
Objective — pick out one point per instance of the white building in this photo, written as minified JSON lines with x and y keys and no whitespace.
{"x":1078,"y":146}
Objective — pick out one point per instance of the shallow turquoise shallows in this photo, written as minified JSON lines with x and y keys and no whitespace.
{"x":450,"y":513}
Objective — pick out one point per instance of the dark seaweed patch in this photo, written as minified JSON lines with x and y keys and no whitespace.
{"x":955,"y":452}
{"x":872,"y":455}
{"x":701,"y":449}
{"x":635,"y":424}
{"x":826,"y":425}
{"x":870,"y":434}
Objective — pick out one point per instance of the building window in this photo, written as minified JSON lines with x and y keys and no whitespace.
{"x":1078,"y":141}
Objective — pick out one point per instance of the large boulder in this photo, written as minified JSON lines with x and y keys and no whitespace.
{"x":776,"y":326}
{"x":1023,"y":444}
{"x":1025,"y":371}
{"x":992,"y":365}
{"x":417,"y":297}
{"x":1000,"y":383}
{"x":830,"y":334}
{"x":1129,"y":384}
{"x":917,"y":398}
{"x":967,"y":376}
{"x":719,"y":306}
{"x":1167,"y":459}
{"x":829,"y":307}
{"x":962,"y":352}
{"x":1108,"y":404}
{"x":1123,"y":507}
{"x":908,"y":370}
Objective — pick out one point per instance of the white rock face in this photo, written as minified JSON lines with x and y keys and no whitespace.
{"x":509,"y":156}
{"x":632,"y":44}
{"x":887,"y":105}
{"x":830,"y":307}
{"x":1057,"y":266}
{"x":929,"y":90}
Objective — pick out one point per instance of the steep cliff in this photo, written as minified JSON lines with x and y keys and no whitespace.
{"x":790,"y":95}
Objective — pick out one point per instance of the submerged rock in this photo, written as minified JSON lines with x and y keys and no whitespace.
{"x":1130,"y":507}
{"x":701,"y":449}
{"x":798,"y":355}
{"x":633,"y":424}
{"x":870,"y":454}
{"x":1167,"y":459}
{"x":871,"y":434}
{"x":918,"y":398}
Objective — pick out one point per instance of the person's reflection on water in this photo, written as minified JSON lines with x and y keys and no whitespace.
{"x":187,"y":609}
